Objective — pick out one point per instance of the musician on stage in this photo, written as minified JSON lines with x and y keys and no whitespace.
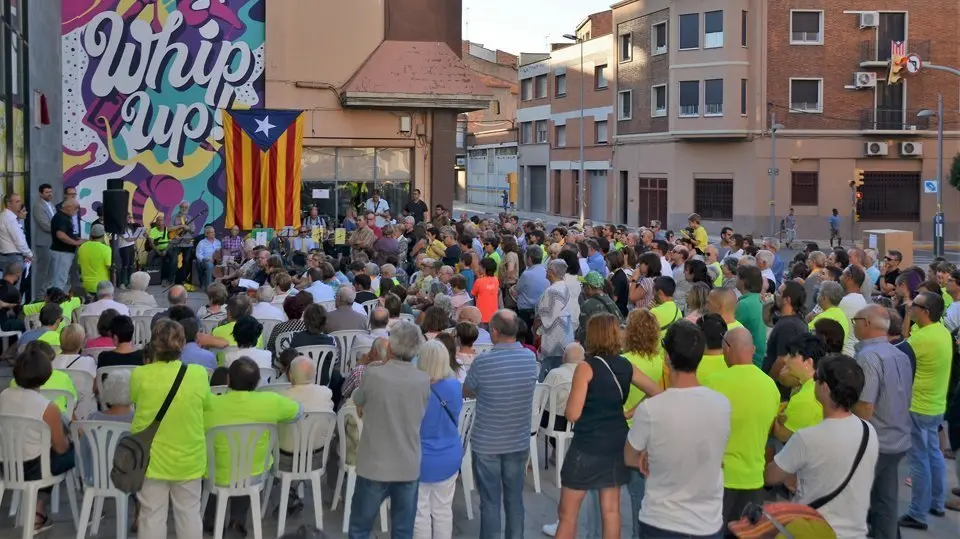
{"x":128,"y":252}
{"x":158,"y":245}
{"x":182,"y":230}
{"x":208,"y":254}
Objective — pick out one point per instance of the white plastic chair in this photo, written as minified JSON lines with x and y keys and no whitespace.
{"x":356,"y":352}
{"x":89,"y":323}
{"x":267,"y":374}
{"x":83,"y":384}
{"x":243,"y":440}
{"x":482,"y":348}
{"x":555,"y":395}
{"x":268,"y":326}
{"x":349,"y":471}
{"x":321,"y":354}
{"x":5,"y":337}
{"x":96,"y":351}
{"x":345,"y":341}
{"x":274,"y":387}
{"x":141,"y":328}
{"x":539,"y":398}
{"x":328,"y":305}
{"x":31,"y":321}
{"x":219,"y":390}
{"x":465,"y":426}
{"x":56,"y":395}
{"x":102,"y":374}
{"x":283,"y":341}
{"x":209,"y":324}
{"x":100,"y":439}
{"x":311,"y":432}
{"x":408,"y":317}
{"x":369,"y":306}
{"x":12,"y":430}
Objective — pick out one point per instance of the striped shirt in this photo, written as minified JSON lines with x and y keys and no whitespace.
{"x":503,"y":380}
{"x":888,"y":385}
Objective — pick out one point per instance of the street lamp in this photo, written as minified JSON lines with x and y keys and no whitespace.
{"x":774,"y":127}
{"x":938,"y":217}
{"x":582,"y":183}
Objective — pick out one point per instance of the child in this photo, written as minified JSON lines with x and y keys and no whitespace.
{"x":467,"y":270}
{"x":486,"y":290}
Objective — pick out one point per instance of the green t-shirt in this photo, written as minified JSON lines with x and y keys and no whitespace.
{"x":496,"y":258}
{"x":734,"y":325}
{"x":718,"y":282}
{"x":750,"y":314}
{"x":666,"y":313}
{"x":93,"y":259}
{"x":833,"y":313}
{"x":237,"y":407}
{"x":754,"y":403}
{"x":934,"y":349}
{"x":947,"y":299}
{"x":58,"y":380}
{"x":67,"y":307}
{"x":803,"y":409}
{"x":710,"y":364}
{"x":652,"y":366}
{"x":50,"y":337}
{"x":225,"y":332}
{"x":160,"y":238}
{"x":179,"y":450}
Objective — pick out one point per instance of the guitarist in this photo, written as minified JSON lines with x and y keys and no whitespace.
{"x":158,"y":246}
{"x":181,"y":230}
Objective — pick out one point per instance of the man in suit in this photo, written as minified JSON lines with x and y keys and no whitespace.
{"x":43,"y":212}
{"x":344,"y":316}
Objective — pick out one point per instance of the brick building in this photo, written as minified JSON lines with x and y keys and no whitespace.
{"x":698,"y":85}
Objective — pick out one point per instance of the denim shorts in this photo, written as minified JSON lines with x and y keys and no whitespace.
{"x":583,"y":471}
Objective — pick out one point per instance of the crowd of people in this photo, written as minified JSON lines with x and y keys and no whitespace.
{"x":707,"y":379}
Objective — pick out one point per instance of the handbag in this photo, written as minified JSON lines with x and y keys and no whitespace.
{"x":793,"y":520}
{"x":132,"y":456}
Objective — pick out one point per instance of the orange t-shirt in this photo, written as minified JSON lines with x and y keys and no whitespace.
{"x":486,"y":290}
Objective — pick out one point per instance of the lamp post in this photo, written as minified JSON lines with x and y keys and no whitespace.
{"x":938,"y":217}
{"x":581,"y":191}
{"x":774,"y":171}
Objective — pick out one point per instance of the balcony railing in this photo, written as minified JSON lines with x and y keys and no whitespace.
{"x":892,"y":120}
{"x":870,"y":52}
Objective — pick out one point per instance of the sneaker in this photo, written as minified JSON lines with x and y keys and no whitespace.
{"x":550,"y":530}
{"x":907,"y":521}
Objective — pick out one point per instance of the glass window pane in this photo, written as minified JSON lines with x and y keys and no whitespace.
{"x":393,"y":164}
{"x":689,"y":93}
{"x":326,"y":206}
{"x":806,"y":21}
{"x":355,"y":164}
{"x":319,"y":163}
{"x":713,"y":91}
{"x":690,"y":31}
{"x":713,"y":22}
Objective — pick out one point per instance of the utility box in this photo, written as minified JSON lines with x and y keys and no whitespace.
{"x":884,"y":240}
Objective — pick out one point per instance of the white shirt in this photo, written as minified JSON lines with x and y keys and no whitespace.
{"x":358,"y":308}
{"x":561,"y":375}
{"x":822,"y":457}
{"x":680,"y":497}
{"x":26,"y":403}
{"x":851,"y":304}
{"x":768,"y":274}
{"x":87,"y":403}
{"x":97,"y":307}
{"x":263,"y":358}
{"x":574,"y":287}
{"x":267,"y":311}
{"x":952,"y":318}
{"x":12,"y":239}
{"x":378,"y":208}
{"x":321,"y":292}
{"x":665,"y":269}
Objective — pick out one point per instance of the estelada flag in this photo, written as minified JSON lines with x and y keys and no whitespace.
{"x":262,"y":157}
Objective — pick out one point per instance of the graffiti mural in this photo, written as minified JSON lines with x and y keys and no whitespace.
{"x":142,"y":84}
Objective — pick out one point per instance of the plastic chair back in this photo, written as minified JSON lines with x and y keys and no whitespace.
{"x":99,"y":440}
{"x":13,"y":429}
{"x":312,"y":431}
{"x":323,"y":356}
{"x":209,"y":324}
{"x":408,"y":317}
{"x":555,"y":395}
{"x":96,"y":351}
{"x":356,"y":352}
{"x":482,"y":348}
{"x":268,"y":327}
{"x":141,"y":328}
{"x":369,"y":306}
{"x":267,"y":374}
{"x":274,"y":387}
{"x":345,"y":340}
{"x":242,"y":440}
{"x":283,"y":341}
{"x":465,"y":425}
{"x":83,"y":383}
{"x":89,"y":323}
{"x":328,"y":305}
{"x":218,"y":390}
{"x":32,"y":321}
{"x":347,"y":414}
{"x":540,"y":393}
{"x":63,"y":399}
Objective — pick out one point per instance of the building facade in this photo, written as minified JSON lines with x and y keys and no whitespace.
{"x":381,"y":87}
{"x":705,"y":81}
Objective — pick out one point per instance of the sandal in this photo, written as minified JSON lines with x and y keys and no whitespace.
{"x":41,"y":523}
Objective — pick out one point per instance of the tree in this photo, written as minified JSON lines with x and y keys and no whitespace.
{"x":955,"y":172}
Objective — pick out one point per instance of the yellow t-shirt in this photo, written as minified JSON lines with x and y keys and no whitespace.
{"x":710,"y":364}
{"x":803,"y":409}
{"x":833,"y":313}
{"x":754,"y":403}
{"x":58,"y":380}
{"x":94,"y":259}
{"x":226,"y":332}
{"x":179,"y":450}
{"x":236,"y":407}
{"x":934,"y":349}
{"x":700,"y":238}
{"x":67,"y":307}
{"x":666,"y":313}
{"x":50,"y":337}
{"x":947,"y":298}
{"x":734,"y":325}
{"x":718,"y":282}
{"x":652,"y":366}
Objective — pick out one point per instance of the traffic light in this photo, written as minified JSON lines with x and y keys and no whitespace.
{"x":857,"y":180}
{"x":897,"y":64}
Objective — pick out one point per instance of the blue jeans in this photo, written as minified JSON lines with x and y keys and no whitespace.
{"x":204,"y":271}
{"x":500,"y":477}
{"x":927,"y":469}
{"x":60,"y":264}
{"x":368,"y":495}
{"x":652,"y":532}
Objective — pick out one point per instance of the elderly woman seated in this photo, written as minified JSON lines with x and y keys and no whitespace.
{"x":217,"y":298}
{"x":137,"y":295}
{"x":71,"y":358}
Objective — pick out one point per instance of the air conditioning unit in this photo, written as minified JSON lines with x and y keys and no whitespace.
{"x":865,"y":79}
{"x":874,"y":149}
{"x":911,"y":149}
{"x":869,"y":19}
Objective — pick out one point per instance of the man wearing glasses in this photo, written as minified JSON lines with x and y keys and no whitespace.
{"x":889,"y":271}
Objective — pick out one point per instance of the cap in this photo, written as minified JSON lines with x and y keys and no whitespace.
{"x":97,"y":231}
{"x":593,"y":280}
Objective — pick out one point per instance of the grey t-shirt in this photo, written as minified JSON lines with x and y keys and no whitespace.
{"x":888,"y":385}
{"x":394,"y":399}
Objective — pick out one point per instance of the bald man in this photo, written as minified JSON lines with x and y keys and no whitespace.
{"x":472,"y":314}
{"x":754,"y":403}
{"x":723,"y":301}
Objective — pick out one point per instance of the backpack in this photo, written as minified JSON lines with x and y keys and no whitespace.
{"x":132,"y":456}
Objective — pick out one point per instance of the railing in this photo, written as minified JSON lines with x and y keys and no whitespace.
{"x":713,"y":109}
{"x":887,"y":119}
{"x":689,"y":110}
{"x":871,"y":52}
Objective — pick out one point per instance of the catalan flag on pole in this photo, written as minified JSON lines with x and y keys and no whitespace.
{"x":262,"y":157}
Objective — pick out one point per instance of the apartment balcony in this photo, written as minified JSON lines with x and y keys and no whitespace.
{"x":873,"y":56}
{"x":898,"y":121}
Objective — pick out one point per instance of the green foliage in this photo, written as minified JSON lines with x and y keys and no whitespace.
{"x":955,"y":172}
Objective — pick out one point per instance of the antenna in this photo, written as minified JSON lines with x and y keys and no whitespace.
{"x":466,"y":22}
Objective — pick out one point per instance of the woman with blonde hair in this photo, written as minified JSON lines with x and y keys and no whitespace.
{"x":697,"y":301}
{"x":441,"y":450}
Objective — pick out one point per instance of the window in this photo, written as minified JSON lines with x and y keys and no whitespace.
{"x":541,"y":131}
{"x":625,"y":105}
{"x":713,"y":199}
{"x":659,"y":38}
{"x":561,"y":135}
{"x":712,"y":29}
{"x":689,"y":98}
{"x":890,"y":196}
{"x":526,"y":133}
{"x":743,"y":97}
{"x":626,"y":47}
{"x":658,"y":101}
{"x":806,"y":95}
{"x":803,"y":188}
{"x":541,"y":84}
{"x":713,"y":97}
{"x":806,"y":27}
{"x":526,"y":89}
{"x":743,"y":28}
{"x":600,"y":127}
{"x":560,"y":85}
{"x":600,"y":77}
{"x":689,"y":31}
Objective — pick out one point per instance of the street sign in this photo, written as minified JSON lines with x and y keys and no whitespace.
{"x":914,"y":63}
{"x":930,"y":186}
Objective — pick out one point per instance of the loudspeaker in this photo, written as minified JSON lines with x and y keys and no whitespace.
{"x":115,"y":184}
{"x":115,"y":204}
